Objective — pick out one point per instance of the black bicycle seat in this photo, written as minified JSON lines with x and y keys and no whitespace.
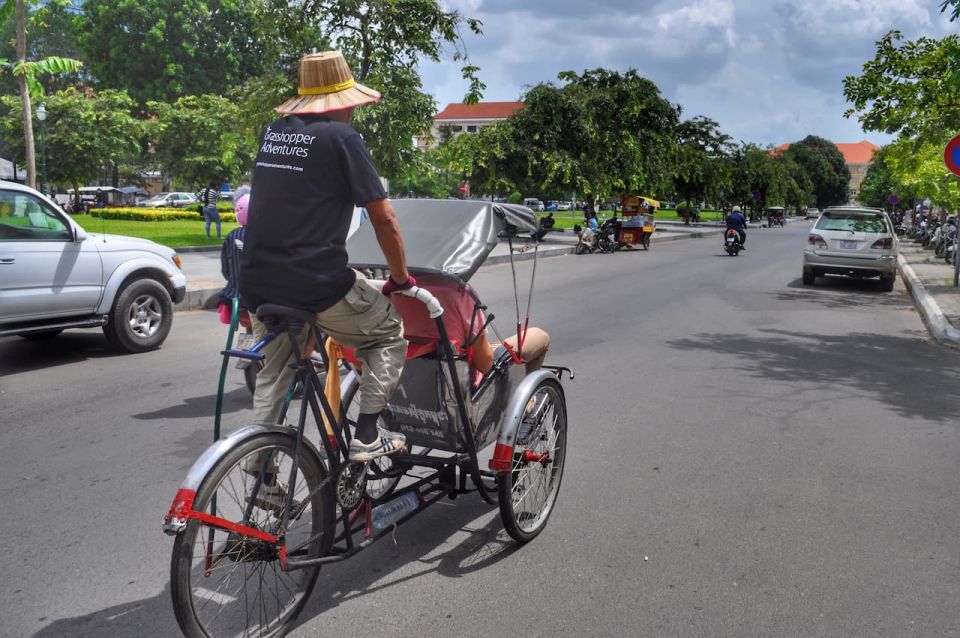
{"x":277,"y":317}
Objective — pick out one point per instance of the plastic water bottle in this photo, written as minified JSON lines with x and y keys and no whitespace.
{"x":389,"y":513}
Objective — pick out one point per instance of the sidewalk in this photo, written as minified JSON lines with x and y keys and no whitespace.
{"x":930,"y":280}
{"x":204,"y":280}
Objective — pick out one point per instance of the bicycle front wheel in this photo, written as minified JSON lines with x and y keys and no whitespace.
{"x":228,"y":584}
{"x":529,"y":490}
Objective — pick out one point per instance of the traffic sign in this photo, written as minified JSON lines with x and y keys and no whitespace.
{"x":951,"y":155}
{"x":756,"y":196}
{"x":893,"y":199}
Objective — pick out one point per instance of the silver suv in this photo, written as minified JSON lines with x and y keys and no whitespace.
{"x":857,"y":242}
{"x":54,"y":276}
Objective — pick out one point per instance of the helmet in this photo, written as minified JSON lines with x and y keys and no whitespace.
{"x":736,"y":209}
{"x":240,"y":209}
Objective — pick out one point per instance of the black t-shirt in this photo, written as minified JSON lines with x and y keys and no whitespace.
{"x":309,"y":174}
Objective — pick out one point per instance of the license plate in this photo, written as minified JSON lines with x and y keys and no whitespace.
{"x":847,"y":244}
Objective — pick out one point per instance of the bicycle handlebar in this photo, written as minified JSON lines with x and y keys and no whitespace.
{"x":424,"y":296}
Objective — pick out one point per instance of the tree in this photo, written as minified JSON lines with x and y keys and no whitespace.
{"x":826,"y":168}
{"x":879,"y":183}
{"x":84,"y":131}
{"x":164,"y":49}
{"x":490,"y":160}
{"x":795,"y":189}
{"x":384,"y":41}
{"x":752,"y":170}
{"x":911,"y":89}
{"x":27,"y":74}
{"x":197,"y":139}
{"x":955,"y":11}
{"x":918,"y":165}
{"x":699,"y":171}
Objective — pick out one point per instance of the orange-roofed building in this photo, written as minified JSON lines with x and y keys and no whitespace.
{"x":857,"y":156}
{"x":467,"y":118}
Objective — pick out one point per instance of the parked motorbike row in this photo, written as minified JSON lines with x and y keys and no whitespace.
{"x":941,"y":236}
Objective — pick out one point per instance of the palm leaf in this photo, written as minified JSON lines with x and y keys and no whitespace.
{"x":55,"y":64}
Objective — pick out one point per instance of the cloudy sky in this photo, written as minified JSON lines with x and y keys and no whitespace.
{"x":769,"y":71}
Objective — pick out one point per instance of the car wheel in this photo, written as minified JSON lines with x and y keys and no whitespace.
{"x":42,"y":336}
{"x":141,"y":317}
{"x":809,"y":276}
{"x":886,"y":283}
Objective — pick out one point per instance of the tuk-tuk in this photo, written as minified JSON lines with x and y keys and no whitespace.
{"x":637,"y":224}
{"x":775,"y":216}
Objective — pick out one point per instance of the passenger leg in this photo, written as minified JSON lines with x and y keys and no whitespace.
{"x":535,"y":346}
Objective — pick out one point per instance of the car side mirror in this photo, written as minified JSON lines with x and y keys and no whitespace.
{"x":79,"y":234}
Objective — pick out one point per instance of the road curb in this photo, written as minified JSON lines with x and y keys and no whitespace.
{"x":198,"y":249}
{"x":207,"y":298}
{"x":933,"y":317}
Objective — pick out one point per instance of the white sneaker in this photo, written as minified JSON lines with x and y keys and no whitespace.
{"x":386,"y":443}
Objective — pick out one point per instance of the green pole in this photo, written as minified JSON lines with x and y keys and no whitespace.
{"x":234,"y":320}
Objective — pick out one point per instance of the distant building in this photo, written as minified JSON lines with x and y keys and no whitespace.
{"x":466,"y":118}
{"x":857,"y":156}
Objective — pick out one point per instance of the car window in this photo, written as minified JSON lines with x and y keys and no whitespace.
{"x":23,"y":217}
{"x":856,"y":222}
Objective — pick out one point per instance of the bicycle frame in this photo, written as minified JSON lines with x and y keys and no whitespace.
{"x":429,"y":489}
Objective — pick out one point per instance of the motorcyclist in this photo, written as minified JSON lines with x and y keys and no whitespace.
{"x":737,"y":222}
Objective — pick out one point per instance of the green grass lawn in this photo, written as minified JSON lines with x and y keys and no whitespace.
{"x":172,"y":233}
{"x":191,"y":232}
{"x":566,"y":219}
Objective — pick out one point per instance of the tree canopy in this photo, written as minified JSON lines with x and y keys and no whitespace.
{"x":909,"y":87}
{"x":823,"y":163}
{"x":84,"y":131}
{"x":164,"y":49}
{"x":196,"y":139}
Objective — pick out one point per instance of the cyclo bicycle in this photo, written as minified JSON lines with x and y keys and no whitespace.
{"x":264,"y":508}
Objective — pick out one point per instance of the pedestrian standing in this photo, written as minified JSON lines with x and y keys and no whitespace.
{"x":101,"y":199}
{"x":208,"y":201}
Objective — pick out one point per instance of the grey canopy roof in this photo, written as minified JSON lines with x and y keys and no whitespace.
{"x":452,"y":237}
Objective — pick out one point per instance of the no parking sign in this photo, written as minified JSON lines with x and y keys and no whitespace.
{"x":951,"y":155}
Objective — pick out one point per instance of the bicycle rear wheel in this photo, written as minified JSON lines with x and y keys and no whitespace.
{"x":227,"y":584}
{"x":529,"y":490}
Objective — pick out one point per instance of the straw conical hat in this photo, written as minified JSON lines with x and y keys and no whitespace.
{"x":326,"y":84}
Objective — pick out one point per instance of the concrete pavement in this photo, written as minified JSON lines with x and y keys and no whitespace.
{"x":930,"y":281}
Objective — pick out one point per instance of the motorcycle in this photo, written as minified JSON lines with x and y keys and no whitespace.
{"x":601,"y":240}
{"x":731,"y":242}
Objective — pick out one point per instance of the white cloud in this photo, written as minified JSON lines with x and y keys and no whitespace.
{"x":768,"y":71}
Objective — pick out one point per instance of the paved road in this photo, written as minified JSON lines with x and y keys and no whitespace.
{"x":748,"y":457}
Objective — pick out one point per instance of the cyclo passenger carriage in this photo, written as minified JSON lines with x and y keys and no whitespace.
{"x":637,"y":223}
{"x":264,"y":508}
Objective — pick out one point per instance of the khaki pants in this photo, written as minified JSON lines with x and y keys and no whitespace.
{"x":363,"y":320}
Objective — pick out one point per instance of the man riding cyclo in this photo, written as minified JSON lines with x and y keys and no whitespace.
{"x":310,"y":172}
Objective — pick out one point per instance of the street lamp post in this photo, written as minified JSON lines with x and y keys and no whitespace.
{"x":42,"y":117}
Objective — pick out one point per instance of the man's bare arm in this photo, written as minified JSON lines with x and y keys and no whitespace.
{"x":384,"y":220}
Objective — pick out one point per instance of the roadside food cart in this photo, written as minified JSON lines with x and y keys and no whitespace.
{"x":637,"y":224}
